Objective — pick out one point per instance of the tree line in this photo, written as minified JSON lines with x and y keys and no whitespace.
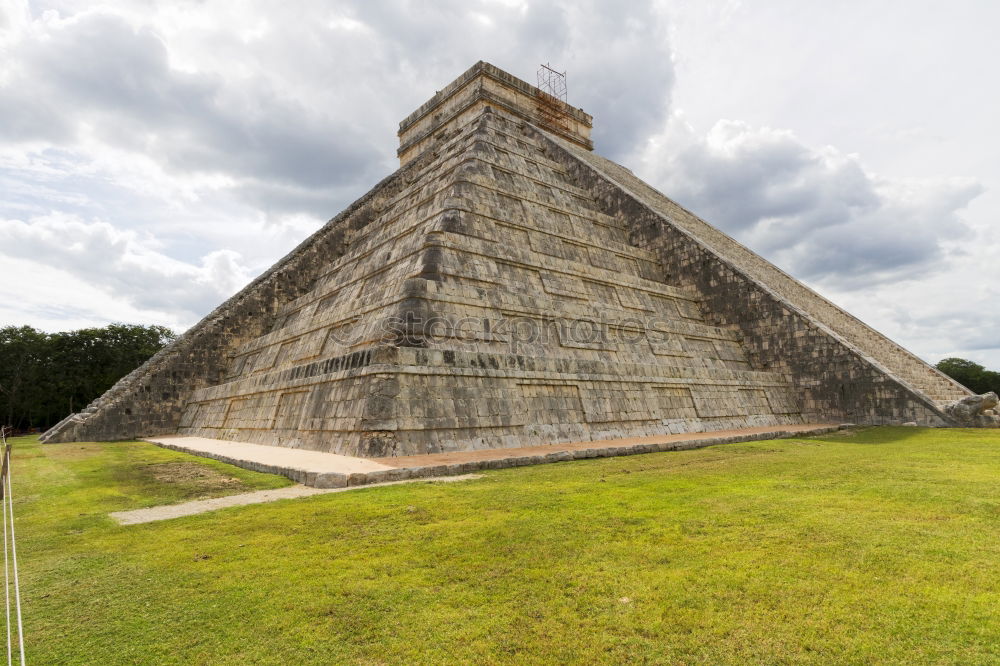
{"x":44,"y":377}
{"x":971,"y":375}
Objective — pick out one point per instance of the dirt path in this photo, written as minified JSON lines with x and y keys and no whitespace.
{"x":169,"y":511}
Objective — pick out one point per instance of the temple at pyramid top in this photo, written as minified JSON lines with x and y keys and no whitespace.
{"x":507,"y":286}
{"x":486,"y":86}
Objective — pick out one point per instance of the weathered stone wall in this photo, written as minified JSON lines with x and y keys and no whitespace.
{"x":843,"y":369}
{"x":151,"y":399}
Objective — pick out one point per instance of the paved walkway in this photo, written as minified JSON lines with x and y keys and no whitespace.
{"x":299,"y":465}
{"x":168,"y":511}
{"x":328,"y":470}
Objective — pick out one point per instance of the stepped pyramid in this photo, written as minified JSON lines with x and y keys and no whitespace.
{"x":509,"y":287}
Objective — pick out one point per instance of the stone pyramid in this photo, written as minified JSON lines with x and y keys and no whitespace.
{"x":509,"y":287}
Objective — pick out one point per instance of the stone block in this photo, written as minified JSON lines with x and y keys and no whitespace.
{"x":330,"y":480}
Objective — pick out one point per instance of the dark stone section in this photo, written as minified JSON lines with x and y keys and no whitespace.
{"x":836,"y":381}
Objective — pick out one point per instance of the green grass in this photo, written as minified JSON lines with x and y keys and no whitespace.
{"x":881,"y":546}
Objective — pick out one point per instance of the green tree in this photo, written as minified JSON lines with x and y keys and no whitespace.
{"x":970,"y":374}
{"x":22,"y":357}
{"x":47,"y":376}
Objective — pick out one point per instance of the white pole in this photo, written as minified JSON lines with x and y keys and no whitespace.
{"x":6,"y":565}
{"x":13,"y":553}
{"x":6,"y":575}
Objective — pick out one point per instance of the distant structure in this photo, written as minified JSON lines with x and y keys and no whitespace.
{"x":552,"y":82}
{"x":508,"y":287}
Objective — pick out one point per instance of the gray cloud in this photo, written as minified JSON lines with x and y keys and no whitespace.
{"x":816,"y":212}
{"x":305,"y":113}
{"x":123,"y":265}
{"x":99,"y":75}
{"x":617,"y":56}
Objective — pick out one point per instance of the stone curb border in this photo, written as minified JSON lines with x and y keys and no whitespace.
{"x":341,"y":480}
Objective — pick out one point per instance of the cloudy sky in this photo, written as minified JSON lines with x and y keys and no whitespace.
{"x":155,"y":156}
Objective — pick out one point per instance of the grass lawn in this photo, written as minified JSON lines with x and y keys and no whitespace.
{"x":878,"y":546}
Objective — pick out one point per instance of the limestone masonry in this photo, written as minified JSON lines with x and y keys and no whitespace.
{"x":509,"y":287}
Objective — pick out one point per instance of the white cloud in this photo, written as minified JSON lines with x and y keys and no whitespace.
{"x":54,"y":300}
{"x":817,"y":212}
{"x":122,"y":265}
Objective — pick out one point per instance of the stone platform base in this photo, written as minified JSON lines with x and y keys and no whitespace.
{"x":328,"y":470}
